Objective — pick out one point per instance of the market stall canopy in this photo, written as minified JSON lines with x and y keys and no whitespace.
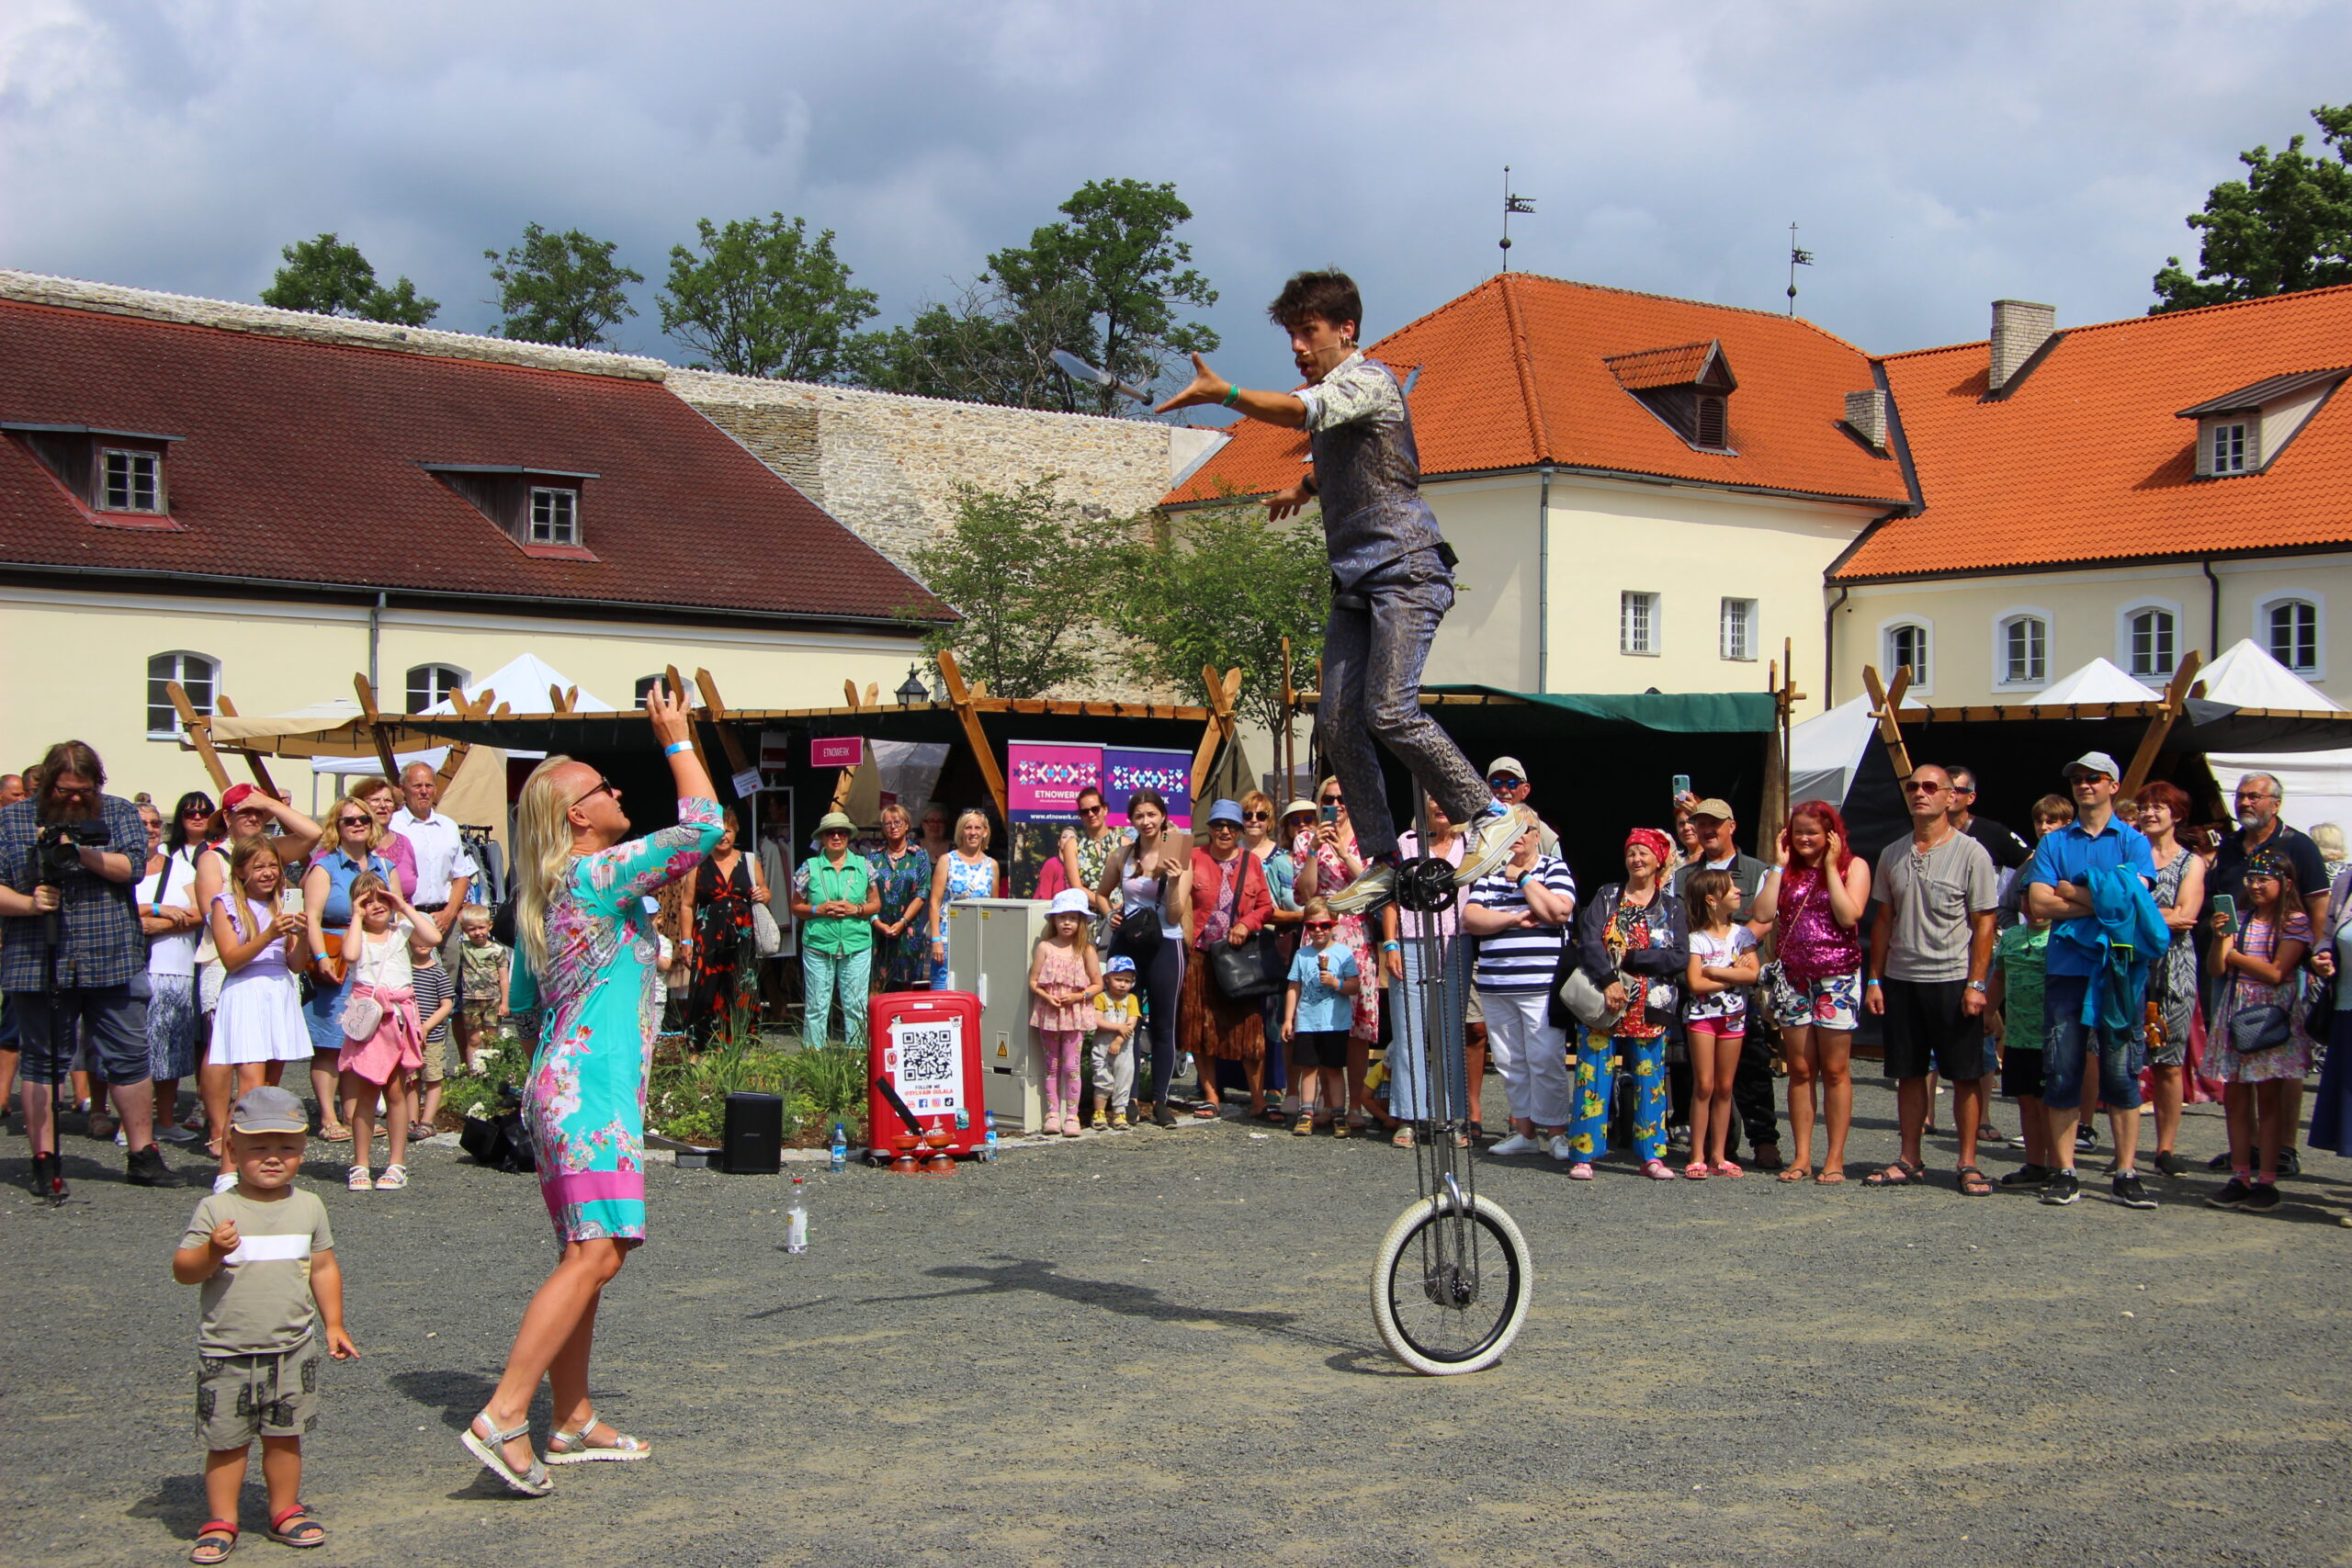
{"x":2313,"y":786}
{"x":2247,"y":676}
{"x":2097,"y":682}
{"x":1825,"y":752}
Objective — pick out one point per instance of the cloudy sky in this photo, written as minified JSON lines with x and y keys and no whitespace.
{"x":1938,"y":155}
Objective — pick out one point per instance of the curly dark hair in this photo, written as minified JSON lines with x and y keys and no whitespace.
{"x":1311,"y":296}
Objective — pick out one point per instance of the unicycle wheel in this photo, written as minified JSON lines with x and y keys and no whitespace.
{"x":1451,"y":1285}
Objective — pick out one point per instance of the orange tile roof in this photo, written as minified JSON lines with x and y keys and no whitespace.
{"x":1514,"y":374}
{"x":2085,"y":460}
{"x":1677,"y":367}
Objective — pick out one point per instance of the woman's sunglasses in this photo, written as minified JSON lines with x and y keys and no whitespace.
{"x":354,"y":821}
{"x":1257,"y":816}
{"x":1330,"y":800}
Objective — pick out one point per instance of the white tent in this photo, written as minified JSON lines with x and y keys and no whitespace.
{"x":522,"y":685}
{"x":2097,"y":682}
{"x":1826,"y":749}
{"x":2316,"y":786}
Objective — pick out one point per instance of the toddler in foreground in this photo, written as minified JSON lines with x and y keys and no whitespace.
{"x":264,"y":1255}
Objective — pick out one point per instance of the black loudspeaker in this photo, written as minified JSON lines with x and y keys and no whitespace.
{"x":753,"y":1143}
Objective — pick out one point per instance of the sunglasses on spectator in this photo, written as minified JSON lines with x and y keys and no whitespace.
{"x":1321,"y":925}
{"x":195,"y":811}
{"x":1503,"y":781}
{"x":1330,"y":800}
{"x":602,"y":786}
{"x":1094,"y":811}
{"x":354,"y":821}
{"x":1910,"y":788}
{"x":1257,"y":816}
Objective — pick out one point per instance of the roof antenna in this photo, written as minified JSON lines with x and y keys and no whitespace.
{"x":1798,"y":256}
{"x":1511,"y":204}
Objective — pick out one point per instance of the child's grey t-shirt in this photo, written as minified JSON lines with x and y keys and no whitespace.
{"x":258,"y":1303}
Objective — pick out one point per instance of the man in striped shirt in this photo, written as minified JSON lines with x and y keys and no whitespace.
{"x":1522,"y":918}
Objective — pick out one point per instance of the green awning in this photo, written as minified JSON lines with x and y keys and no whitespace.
{"x":1683,"y":713}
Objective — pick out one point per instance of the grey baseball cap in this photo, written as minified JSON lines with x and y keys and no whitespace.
{"x":2095,"y":762}
{"x":268,"y":1109}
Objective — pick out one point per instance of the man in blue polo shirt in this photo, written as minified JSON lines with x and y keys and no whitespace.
{"x":2056,"y":891}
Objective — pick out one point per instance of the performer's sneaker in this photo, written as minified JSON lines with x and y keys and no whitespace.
{"x":1492,"y":833}
{"x":1373,"y":886}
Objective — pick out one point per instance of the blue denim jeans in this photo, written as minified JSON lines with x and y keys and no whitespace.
{"x":1372,"y":687}
{"x":824,"y":973}
{"x":2066,"y":1050}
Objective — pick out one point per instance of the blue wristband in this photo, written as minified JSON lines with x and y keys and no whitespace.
{"x":675,"y":747}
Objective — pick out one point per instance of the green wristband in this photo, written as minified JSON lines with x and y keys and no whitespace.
{"x":1231,"y":393}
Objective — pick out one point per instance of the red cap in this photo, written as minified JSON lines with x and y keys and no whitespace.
{"x":237,"y":794}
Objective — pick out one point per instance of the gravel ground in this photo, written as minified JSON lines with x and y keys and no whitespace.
{"x":1156,"y":1347}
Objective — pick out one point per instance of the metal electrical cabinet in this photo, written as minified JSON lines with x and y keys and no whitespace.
{"x":989,"y":944}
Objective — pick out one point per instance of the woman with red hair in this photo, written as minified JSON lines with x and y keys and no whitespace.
{"x":1816,"y":891}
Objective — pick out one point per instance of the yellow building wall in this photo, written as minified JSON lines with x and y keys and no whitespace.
{"x":91,"y":683}
{"x":2087,"y":612}
{"x":1692,"y":547}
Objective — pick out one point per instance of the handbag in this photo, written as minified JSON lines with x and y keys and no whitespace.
{"x":1137,"y":935}
{"x":765,"y":934}
{"x":1785,"y":1000}
{"x":363,"y":1014}
{"x":1252,"y":970}
{"x":499,"y":1142}
{"x":2263,"y":1027}
{"x":1589,"y":1003}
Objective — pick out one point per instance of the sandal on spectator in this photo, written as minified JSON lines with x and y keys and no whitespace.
{"x":395,"y":1176}
{"x":1796,"y":1173}
{"x":1695,"y":1171}
{"x":214,"y":1541}
{"x":1658,"y":1170}
{"x":359,"y":1181}
{"x":573,"y":1448}
{"x":295,"y":1527}
{"x":490,"y":1449}
{"x":1725,"y":1168}
{"x":1403,"y":1137}
{"x":1901,"y":1173}
{"x":1971,"y":1182}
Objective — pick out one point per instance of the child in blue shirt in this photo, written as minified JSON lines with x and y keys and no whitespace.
{"x":1317,"y":1007}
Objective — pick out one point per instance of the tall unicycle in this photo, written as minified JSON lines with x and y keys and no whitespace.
{"x":1452,"y":1280}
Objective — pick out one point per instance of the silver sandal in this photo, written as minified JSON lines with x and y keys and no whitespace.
{"x":573,"y":1448}
{"x":492,"y":1451}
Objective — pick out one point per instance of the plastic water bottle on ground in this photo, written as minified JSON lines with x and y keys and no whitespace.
{"x":987,"y":1150}
{"x":796,"y":1219}
{"x":841,"y":1148}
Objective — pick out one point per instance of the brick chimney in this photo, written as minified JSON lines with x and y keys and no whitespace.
{"x":1866,"y":412}
{"x":2020,"y":327}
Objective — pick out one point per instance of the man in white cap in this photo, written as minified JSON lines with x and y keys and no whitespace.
{"x":2058,"y":890}
{"x":1507,"y":776}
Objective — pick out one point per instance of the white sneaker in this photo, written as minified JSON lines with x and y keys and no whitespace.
{"x":1375,"y":887}
{"x":1560,"y":1148}
{"x":1492,"y":833}
{"x":120,"y":1141}
{"x":1517,"y":1143}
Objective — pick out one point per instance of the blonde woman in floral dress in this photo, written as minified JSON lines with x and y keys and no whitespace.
{"x":587,"y":955}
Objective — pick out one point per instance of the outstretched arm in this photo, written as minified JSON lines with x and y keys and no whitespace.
{"x":1209,"y":387}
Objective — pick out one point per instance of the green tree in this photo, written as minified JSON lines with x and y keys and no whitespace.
{"x":1223,"y":587}
{"x":1106,"y":282}
{"x":2286,"y":227}
{"x":763,"y":300}
{"x":1116,"y":250}
{"x":331,"y":278}
{"x":1011,"y":565}
{"x":561,"y":289}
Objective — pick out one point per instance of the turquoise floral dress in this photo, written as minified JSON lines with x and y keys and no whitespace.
{"x":584,"y":1103}
{"x":903,"y":961}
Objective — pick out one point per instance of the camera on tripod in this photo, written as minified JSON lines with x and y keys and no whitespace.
{"x":61,"y":844}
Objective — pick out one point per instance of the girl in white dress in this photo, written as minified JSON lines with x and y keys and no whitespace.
{"x":259,"y":1027}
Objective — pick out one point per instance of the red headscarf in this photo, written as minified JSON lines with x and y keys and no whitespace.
{"x":1659,"y":843}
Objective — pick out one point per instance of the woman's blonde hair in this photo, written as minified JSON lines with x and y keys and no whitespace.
{"x":542,"y":856}
{"x":376,"y":831}
{"x":970,"y":813}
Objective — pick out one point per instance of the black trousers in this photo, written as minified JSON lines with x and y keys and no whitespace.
{"x":1751,"y":1089}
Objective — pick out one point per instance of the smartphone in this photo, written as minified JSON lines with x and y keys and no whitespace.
{"x":2227,"y":907}
{"x":1329,"y":813}
{"x":1681,"y":785}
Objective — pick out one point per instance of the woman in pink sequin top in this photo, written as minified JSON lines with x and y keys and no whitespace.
{"x":1816,"y":892}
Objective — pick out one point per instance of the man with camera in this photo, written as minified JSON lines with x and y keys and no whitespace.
{"x":68,"y":858}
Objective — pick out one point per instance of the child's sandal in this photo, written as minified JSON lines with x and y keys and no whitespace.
{"x":214,"y":1541}
{"x":295,"y":1527}
{"x":395,"y":1176}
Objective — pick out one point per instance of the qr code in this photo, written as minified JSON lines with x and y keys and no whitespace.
{"x":927,"y":1055}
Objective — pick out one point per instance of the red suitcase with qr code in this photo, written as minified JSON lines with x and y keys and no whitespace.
{"x":928,"y":1044}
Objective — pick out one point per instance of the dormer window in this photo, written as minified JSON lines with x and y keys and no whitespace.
{"x":116,"y":475}
{"x":555,"y":515}
{"x":538,"y":508}
{"x":1687,"y":387}
{"x":2246,"y":431}
{"x":2229,"y":455}
{"x":129,"y":481}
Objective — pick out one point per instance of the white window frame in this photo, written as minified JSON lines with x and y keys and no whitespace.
{"x":182,"y":660}
{"x":571,"y":521}
{"x":2124,"y":653}
{"x":1752,"y":612}
{"x":1654,"y":628}
{"x":2262,"y":613}
{"x":1922,"y":683}
{"x":436,"y":690}
{"x":154,"y":462}
{"x":2019,"y":615}
{"x":2241,"y":439}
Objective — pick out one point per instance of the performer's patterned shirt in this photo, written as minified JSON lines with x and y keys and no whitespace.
{"x":1367,"y":472}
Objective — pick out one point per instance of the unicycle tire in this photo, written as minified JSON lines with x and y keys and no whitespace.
{"x":1450,"y":1292}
